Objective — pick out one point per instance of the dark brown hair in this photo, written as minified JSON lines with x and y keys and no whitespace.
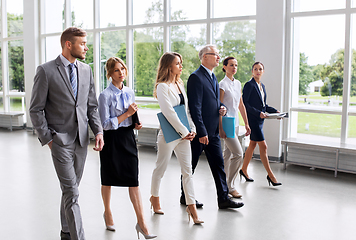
{"x":226,"y":62}
{"x":258,"y":63}
{"x":70,"y":33}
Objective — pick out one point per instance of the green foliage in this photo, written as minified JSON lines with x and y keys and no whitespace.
{"x":16,"y":71}
{"x":186,"y":47}
{"x":332,"y":74}
{"x":237,"y":40}
{"x":14,"y":24}
{"x":111,"y":43}
{"x":155,"y":13}
{"x":145,"y":68}
{"x":305,"y":74}
{"x":16,"y":56}
{"x":319,"y":124}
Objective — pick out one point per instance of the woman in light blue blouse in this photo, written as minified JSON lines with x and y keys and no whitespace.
{"x":118,"y":159}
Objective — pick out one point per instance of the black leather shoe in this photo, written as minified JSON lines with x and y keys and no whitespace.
{"x":197,"y":203}
{"x":230,"y":204}
{"x":65,"y":236}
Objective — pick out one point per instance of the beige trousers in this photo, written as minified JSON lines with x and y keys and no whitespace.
{"x":233,"y":158}
{"x":183,"y":153}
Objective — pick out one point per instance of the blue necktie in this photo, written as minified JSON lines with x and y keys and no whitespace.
{"x":214,"y":81}
{"x":73,"y":78}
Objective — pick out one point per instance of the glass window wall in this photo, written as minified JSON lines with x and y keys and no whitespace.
{"x":82,"y":13}
{"x":317,"y":5}
{"x":112,"y":44}
{"x":231,"y":8}
{"x":16,"y":66}
{"x":147,"y":11}
{"x":188,"y":10}
{"x":53,"y":47}
{"x":54,"y":19}
{"x":187,"y":41}
{"x":14,"y":18}
{"x":112,"y":13}
{"x":236,"y":39}
{"x":148,"y":48}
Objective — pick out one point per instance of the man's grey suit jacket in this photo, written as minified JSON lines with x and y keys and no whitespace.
{"x":55,"y":113}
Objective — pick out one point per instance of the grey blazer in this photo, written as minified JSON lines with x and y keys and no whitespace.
{"x":55,"y":113}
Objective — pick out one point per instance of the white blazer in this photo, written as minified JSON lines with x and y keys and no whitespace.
{"x":167,"y":99}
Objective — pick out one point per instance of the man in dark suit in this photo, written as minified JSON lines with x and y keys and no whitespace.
{"x":63,"y":103}
{"x":205,"y":108}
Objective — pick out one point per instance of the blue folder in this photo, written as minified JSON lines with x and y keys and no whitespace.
{"x":168,"y":130}
{"x":228,"y":124}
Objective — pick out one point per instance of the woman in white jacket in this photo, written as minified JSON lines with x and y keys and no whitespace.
{"x":169,"y":91}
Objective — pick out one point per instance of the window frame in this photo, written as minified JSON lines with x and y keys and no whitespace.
{"x":293,"y":69}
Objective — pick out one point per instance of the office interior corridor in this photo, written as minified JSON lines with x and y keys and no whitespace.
{"x":311,"y":204}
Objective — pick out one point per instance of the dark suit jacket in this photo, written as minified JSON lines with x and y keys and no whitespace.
{"x":204,"y":102}
{"x":253,"y":101}
{"x":55,"y":113}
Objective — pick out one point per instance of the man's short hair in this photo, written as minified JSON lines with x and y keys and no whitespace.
{"x":70,"y":33}
{"x":206,"y":49}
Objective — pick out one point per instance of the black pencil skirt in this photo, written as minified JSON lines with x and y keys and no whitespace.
{"x":257,"y":131}
{"x":118,"y":159}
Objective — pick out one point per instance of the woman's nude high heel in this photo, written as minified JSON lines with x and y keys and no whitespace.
{"x":190,"y":215}
{"x":108,"y":227}
{"x":147,"y":236}
{"x":155,"y":205}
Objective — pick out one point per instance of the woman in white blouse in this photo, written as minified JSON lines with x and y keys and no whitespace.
{"x":169,"y":91}
{"x":230,"y":95}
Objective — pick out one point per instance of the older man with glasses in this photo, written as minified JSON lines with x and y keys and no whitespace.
{"x":205,"y":108}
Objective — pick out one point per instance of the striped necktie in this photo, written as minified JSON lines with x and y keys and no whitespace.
{"x":73,"y":78}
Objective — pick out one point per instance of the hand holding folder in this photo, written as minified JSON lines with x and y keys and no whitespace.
{"x":168,"y":130}
{"x":277,"y":115}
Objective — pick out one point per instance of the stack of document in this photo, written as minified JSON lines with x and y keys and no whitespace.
{"x":277,"y":115}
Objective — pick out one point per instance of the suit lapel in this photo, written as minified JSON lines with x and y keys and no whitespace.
{"x":258,"y":90}
{"x":264,"y":90}
{"x":174,"y":93}
{"x":80,"y":74}
{"x":209,"y":78}
{"x":64,"y":76}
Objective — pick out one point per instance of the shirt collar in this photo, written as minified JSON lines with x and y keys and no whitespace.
{"x":208,"y":70}
{"x":66,"y":62}
{"x":229,"y":80}
{"x":115,"y":89}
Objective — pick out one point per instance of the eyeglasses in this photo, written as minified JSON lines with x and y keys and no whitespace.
{"x":215,"y":54}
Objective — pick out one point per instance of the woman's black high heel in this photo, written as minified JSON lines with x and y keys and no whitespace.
{"x":246,"y":178}
{"x":273,"y":183}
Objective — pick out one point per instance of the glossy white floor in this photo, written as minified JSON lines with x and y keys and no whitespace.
{"x":309,"y":205}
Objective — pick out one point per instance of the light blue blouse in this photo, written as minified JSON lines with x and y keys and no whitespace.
{"x":114,"y":102}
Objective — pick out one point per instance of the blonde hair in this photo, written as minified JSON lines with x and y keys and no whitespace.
{"x":110,"y":65}
{"x":164,"y":69}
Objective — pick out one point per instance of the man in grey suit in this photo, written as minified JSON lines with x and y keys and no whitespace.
{"x":63,"y":103}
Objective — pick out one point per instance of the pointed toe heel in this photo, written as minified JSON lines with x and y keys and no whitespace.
{"x":274,"y":184}
{"x":146,"y":236}
{"x":190,"y":215}
{"x":242,"y":174}
{"x":108,"y":227}
{"x":155,"y":206}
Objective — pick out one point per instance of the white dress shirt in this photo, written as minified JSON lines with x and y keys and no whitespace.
{"x":232,"y":96}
